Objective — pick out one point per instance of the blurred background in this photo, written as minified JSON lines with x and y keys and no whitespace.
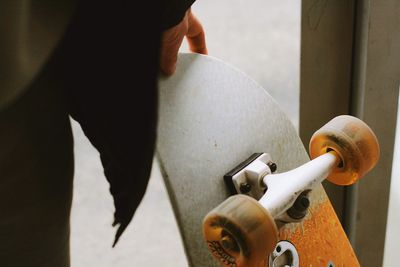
{"x":263,"y":40}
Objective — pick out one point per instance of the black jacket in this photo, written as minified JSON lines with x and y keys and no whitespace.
{"x":109,"y":57}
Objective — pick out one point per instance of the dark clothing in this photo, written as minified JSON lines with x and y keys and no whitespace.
{"x":109,"y":60}
{"x":174,"y":12}
{"x":109,"y":64}
{"x":29,"y":32}
{"x":36,"y":171}
{"x":103,"y":73}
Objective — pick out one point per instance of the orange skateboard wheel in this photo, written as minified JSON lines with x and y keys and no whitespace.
{"x":354,"y":142}
{"x":240,"y":232}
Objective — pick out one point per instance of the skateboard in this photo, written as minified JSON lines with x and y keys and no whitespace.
{"x":242,"y":187}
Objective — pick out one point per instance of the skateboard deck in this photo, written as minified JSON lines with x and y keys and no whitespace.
{"x":211,"y":118}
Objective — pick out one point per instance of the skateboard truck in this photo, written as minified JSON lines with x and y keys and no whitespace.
{"x":284,"y":195}
{"x":244,"y":228}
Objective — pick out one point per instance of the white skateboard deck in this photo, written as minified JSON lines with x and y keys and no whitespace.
{"x":211,"y":118}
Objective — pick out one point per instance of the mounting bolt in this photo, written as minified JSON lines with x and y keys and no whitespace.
{"x":245,"y":188}
{"x":272,"y":166}
{"x":302,"y":203}
{"x":300,"y":207}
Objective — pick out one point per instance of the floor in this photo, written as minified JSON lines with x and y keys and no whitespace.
{"x":263,"y":40}
{"x":152,"y":239}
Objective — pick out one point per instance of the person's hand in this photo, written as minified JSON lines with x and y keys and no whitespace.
{"x":172,"y":39}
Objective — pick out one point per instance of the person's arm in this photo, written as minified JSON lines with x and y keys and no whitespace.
{"x":179,"y":22}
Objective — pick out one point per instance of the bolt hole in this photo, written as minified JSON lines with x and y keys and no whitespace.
{"x":278,"y":249}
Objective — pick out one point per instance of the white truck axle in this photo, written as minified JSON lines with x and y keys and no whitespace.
{"x":279,"y":192}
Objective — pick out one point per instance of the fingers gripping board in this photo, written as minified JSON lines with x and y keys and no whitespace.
{"x":211,"y":118}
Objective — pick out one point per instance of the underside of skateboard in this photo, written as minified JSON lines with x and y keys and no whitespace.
{"x":286,"y":219}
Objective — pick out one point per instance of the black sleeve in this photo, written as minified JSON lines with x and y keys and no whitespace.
{"x":174,"y":12}
{"x":109,"y":60}
{"x":111,"y":80}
